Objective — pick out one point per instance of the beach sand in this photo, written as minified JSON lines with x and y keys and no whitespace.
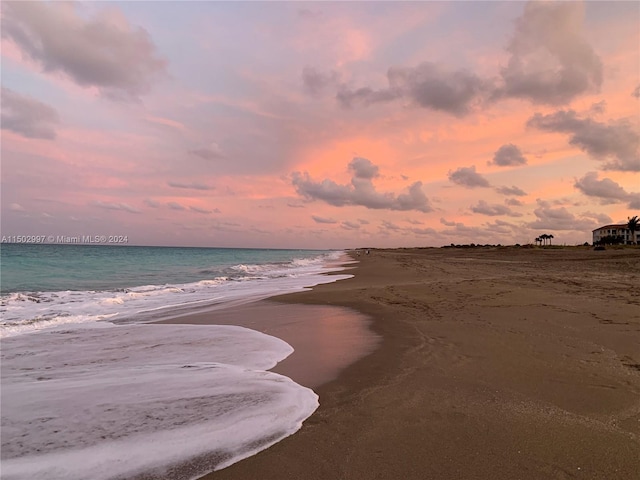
{"x":326,"y":338}
{"x":495,"y":363}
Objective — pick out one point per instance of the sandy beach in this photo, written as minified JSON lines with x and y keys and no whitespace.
{"x":495,"y":363}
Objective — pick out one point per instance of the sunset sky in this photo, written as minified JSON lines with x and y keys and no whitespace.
{"x":320,"y":125}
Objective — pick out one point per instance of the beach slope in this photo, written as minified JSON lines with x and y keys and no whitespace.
{"x":495,"y":363}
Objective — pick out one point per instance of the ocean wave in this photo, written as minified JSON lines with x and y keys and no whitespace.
{"x":24,"y":312}
{"x":144,"y":399}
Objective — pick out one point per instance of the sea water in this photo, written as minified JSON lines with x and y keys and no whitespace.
{"x":90,"y":389}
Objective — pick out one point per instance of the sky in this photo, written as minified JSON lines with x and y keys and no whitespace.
{"x":319,"y":124}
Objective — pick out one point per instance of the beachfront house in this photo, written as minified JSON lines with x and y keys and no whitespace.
{"x":619,"y":231}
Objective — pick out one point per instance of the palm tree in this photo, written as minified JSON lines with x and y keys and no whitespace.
{"x":544,"y":237}
{"x":633,"y":226}
{"x":538,"y":239}
{"x":550,"y":236}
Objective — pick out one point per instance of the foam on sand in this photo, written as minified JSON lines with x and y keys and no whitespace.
{"x":168,"y":401}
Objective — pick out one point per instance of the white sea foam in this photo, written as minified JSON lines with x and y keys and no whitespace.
{"x":26,"y":313}
{"x":121,"y":401}
{"x":84,"y":399}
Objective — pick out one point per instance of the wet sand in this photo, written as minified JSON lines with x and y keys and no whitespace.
{"x":326,"y":339}
{"x":500,"y":363}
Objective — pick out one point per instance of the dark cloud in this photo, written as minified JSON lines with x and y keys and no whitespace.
{"x":468,"y":177}
{"x":551,"y":61}
{"x":203,"y":210}
{"x":427,"y":85}
{"x":191,"y":186}
{"x":27,"y":116}
{"x":460,"y":230}
{"x":494,"y":210}
{"x":422,"y":231}
{"x":104,"y":51}
{"x":364,"y":96}
{"x":318,"y":219}
{"x":115,"y":206}
{"x":350,"y":226}
{"x":601,"y":218}
{"x":634,"y":200}
{"x":448,"y":223}
{"x":295,"y":205}
{"x":361,"y":191}
{"x":508,"y":155}
{"x":315,"y":82}
{"x":618,"y":142}
{"x":606,"y":190}
{"x":363,"y":168}
{"x":327,"y":190}
{"x":363,"y":222}
{"x":387,"y":225}
{"x":513,"y":202}
{"x":152,"y":203}
{"x":636,"y":92}
{"x":561,"y":202}
{"x":211,"y":152}
{"x":512,"y":190}
{"x":555,"y":219}
{"x":501,"y":227}
{"x":549,"y":218}
{"x":175,"y":206}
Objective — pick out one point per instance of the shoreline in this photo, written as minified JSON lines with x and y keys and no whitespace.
{"x":121,"y":392}
{"x":326,"y":339}
{"x":494,"y":363}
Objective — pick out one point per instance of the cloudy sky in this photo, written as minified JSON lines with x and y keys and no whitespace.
{"x":320,"y":125}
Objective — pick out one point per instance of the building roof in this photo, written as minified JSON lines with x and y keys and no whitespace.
{"x":616,"y":225}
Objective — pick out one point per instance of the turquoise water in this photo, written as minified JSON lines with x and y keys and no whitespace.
{"x":48,"y":285}
{"x":51,"y":268}
{"x":87,"y":381}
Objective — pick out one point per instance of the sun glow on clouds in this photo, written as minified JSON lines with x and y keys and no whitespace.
{"x":326,"y":125}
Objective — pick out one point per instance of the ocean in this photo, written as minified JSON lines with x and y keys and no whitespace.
{"x":91,"y":389}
